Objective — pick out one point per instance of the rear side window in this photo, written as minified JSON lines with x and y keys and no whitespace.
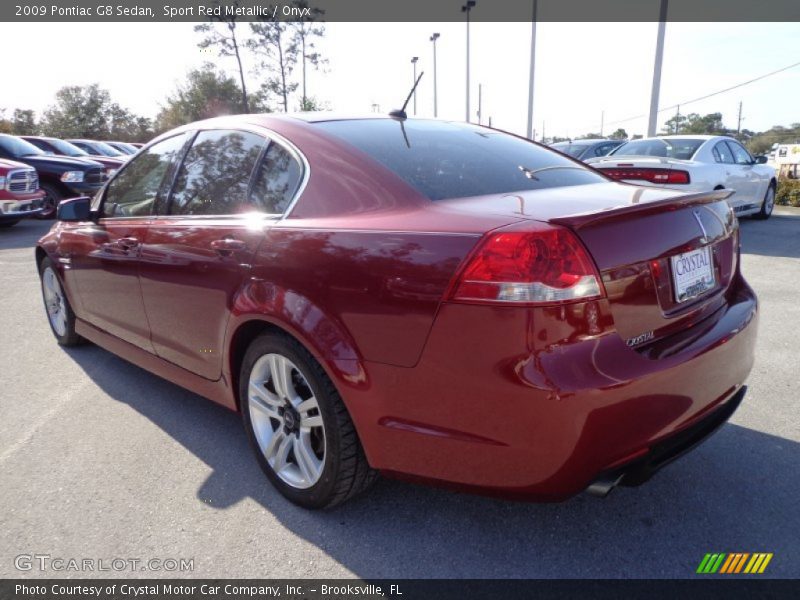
{"x":135,"y":188}
{"x":277,"y":179}
{"x":215,"y":175}
{"x":446,"y":160}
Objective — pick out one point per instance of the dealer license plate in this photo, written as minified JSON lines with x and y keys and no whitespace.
{"x":692,"y":273}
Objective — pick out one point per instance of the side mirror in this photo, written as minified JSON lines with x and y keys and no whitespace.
{"x":760,"y":160}
{"x":74,"y":209}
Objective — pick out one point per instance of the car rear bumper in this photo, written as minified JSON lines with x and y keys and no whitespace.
{"x":662,"y":453}
{"x":528,"y":404}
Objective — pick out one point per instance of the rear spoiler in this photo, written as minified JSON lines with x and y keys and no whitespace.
{"x":579,"y":220}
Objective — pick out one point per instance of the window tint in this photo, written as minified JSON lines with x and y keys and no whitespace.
{"x":722,"y":153}
{"x":276,"y":180}
{"x":16,"y":147}
{"x":604,"y":149}
{"x":135,"y":188}
{"x":447,"y":160}
{"x":574,"y":150}
{"x":681,"y":148}
{"x":740,"y":155}
{"x":215,"y":175}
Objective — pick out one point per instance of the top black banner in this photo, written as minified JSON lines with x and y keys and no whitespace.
{"x":148,"y":11}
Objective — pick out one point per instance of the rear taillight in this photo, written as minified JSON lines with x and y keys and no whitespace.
{"x":651,"y":175}
{"x":542,"y":266}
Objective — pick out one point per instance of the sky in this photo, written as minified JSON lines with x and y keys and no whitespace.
{"x":584,"y":72}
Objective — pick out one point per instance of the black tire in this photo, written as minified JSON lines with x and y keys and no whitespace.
{"x":767,"y":205}
{"x":345,"y":471}
{"x":68,"y":337}
{"x":4,"y":224}
{"x":52,"y":197}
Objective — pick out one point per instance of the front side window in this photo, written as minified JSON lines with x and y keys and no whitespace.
{"x":215,"y":175}
{"x":277,"y":179}
{"x":444,"y":160}
{"x":740,"y":155}
{"x":134,"y":190}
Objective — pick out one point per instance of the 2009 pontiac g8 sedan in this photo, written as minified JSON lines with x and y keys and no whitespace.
{"x":436,"y":301}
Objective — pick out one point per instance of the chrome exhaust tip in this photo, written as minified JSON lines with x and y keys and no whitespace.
{"x":602,"y":486}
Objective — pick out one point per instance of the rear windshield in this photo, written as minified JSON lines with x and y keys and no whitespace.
{"x":447,"y":160}
{"x":679,"y":148}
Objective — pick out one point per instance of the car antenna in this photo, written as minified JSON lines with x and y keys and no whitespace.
{"x":401,"y":112}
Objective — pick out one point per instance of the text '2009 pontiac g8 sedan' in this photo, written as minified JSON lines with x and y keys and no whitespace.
{"x":436,"y":301}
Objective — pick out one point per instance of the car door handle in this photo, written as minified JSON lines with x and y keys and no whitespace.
{"x":226,"y":246}
{"x":128,"y":243}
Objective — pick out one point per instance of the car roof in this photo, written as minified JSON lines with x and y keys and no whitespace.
{"x":684,"y":136}
{"x":586,"y":142}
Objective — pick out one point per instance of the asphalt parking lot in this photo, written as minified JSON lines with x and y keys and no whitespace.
{"x":99,"y":459}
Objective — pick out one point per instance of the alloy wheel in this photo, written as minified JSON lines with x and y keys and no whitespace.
{"x":54,"y":302}
{"x":286,"y":420}
{"x":769,"y":201}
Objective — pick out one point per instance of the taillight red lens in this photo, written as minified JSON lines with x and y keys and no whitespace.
{"x":545,"y":266}
{"x":646,"y":174}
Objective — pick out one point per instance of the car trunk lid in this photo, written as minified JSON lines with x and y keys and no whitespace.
{"x":633,"y":233}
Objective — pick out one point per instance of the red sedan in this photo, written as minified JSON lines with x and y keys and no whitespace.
{"x":431,"y":300}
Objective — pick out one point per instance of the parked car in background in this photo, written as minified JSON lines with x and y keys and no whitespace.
{"x":59,"y":176}
{"x":20,"y":196}
{"x":585,"y":149}
{"x":59,"y":147}
{"x":696,"y":163}
{"x":429,"y":299}
{"x":136,"y":145}
{"x":95,"y":148}
{"x":123,"y":147}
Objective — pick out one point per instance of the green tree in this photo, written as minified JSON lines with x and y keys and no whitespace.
{"x":86,"y":111}
{"x":619,"y":134}
{"x":24,"y":122}
{"x":590,"y":136}
{"x":311,"y":104}
{"x":305,"y":32}
{"x":206,"y":92}
{"x":79,"y":111}
{"x":710,"y":124}
{"x":279,"y":51}
{"x":222,"y":35}
{"x":674,"y":125}
{"x":5,"y":125}
{"x":759,"y":143}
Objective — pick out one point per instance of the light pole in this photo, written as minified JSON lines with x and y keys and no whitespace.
{"x":662,"y":24}
{"x":414,"y":62}
{"x":467,"y":8}
{"x":434,"y":37}
{"x":530,"y":75}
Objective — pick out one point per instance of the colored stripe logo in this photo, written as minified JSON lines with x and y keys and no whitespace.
{"x":734,"y":562}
